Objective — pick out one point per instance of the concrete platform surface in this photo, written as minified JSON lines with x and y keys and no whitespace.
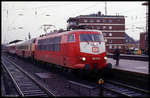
{"x":130,"y":65}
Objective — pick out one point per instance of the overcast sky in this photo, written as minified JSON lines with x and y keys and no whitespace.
{"x":31,"y":15}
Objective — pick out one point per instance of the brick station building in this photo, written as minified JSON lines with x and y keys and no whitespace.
{"x":112,"y":27}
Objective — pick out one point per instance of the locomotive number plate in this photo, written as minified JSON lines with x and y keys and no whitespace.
{"x":95,"y":49}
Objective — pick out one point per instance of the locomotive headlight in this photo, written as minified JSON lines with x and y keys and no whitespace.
{"x":83,"y":58}
{"x":95,"y":44}
{"x":105,"y":58}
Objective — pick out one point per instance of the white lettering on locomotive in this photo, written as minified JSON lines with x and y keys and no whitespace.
{"x":87,"y":47}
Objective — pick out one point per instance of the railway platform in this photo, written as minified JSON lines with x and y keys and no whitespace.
{"x":141,"y":67}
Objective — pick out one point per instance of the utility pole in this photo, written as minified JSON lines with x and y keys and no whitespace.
{"x":25,"y":38}
{"x":105,"y":8}
{"x":29,"y":36}
{"x":146,"y":45}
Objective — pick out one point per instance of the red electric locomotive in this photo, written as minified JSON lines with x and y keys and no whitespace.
{"x":76,"y":49}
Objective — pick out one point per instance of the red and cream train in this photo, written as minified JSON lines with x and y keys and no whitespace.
{"x":76,"y":49}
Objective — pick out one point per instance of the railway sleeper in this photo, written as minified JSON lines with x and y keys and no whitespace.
{"x":23,"y":85}
{"x":29,"y":87}
{"x":22,"y":89}
{"x":36,"y":94}
{"x":32,"y":91}
{"x":28,"y":93}
{"x":81,"y":85}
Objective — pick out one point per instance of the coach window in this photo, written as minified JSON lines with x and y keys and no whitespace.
{"x":71,"y":38}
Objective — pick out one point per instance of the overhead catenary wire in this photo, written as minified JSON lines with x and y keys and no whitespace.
{"x":87,"y":8}
{"x":53,"y":10}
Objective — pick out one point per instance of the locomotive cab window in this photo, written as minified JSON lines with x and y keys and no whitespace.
{"x":71,"y":37}
{"x":91,"y":37}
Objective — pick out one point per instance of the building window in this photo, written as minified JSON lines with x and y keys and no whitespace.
{"x":110,"y":34}
{"x":110,"y":21}
{"x":104,"y":27}
{"x":145,"y":37}
{"x":119,"y":20}
{"x":98,"y":27}
{"x":92,"y":27}
{"x":72,"y":23}
{"x":110,"y":41}
{"x":110,"y":27}
{"x":97,"y":20}
{"x":104,"y":34}
{"x":91,"y":20}
{"x":104,"y":20}
{"x":85,"y":20}
{"x":119,"y":47}
{"x":110,"y":46}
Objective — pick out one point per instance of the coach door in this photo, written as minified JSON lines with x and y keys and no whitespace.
{"x":64,"y":50}
{"x":68,"y":48}
{"x":71,"y":49}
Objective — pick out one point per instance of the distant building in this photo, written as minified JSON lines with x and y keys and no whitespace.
{"x":112,"y":27}
{"x":143,"y":42}
{"x":130,"y":43}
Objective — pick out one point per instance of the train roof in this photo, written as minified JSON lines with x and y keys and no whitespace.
{"x":67,"y":32}
{"x":26,"y":42}
{"x":90,"y":30}
{"x":13,"y":44}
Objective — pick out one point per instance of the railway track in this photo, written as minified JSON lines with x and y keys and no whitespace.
{"x":124,"y":90}
{"x":25,"y":84}
{"x":117,"y":89}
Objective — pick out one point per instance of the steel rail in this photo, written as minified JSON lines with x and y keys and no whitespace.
{"x":15,"y":83}
{"x":126,"y":90}
{"x":33,"y":79}
{"x":131,"y":87}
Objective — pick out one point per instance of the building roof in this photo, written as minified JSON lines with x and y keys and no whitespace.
{"x":95,"y":15}
{"x":99,"y":15}
{"x":130,"y":39}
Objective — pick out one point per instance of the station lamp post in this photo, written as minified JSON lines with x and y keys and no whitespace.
{"x":146,"y":45}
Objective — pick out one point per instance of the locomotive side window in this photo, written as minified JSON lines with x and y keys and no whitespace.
{"x":50,"y":44}
{"x":71,"y":37}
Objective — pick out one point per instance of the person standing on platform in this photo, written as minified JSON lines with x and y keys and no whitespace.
{"x":116,"y":56}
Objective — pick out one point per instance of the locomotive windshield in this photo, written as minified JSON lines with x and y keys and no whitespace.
{"x":91,"y":37}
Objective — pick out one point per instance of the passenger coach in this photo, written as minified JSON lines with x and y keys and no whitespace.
{"x":25,"y":49}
